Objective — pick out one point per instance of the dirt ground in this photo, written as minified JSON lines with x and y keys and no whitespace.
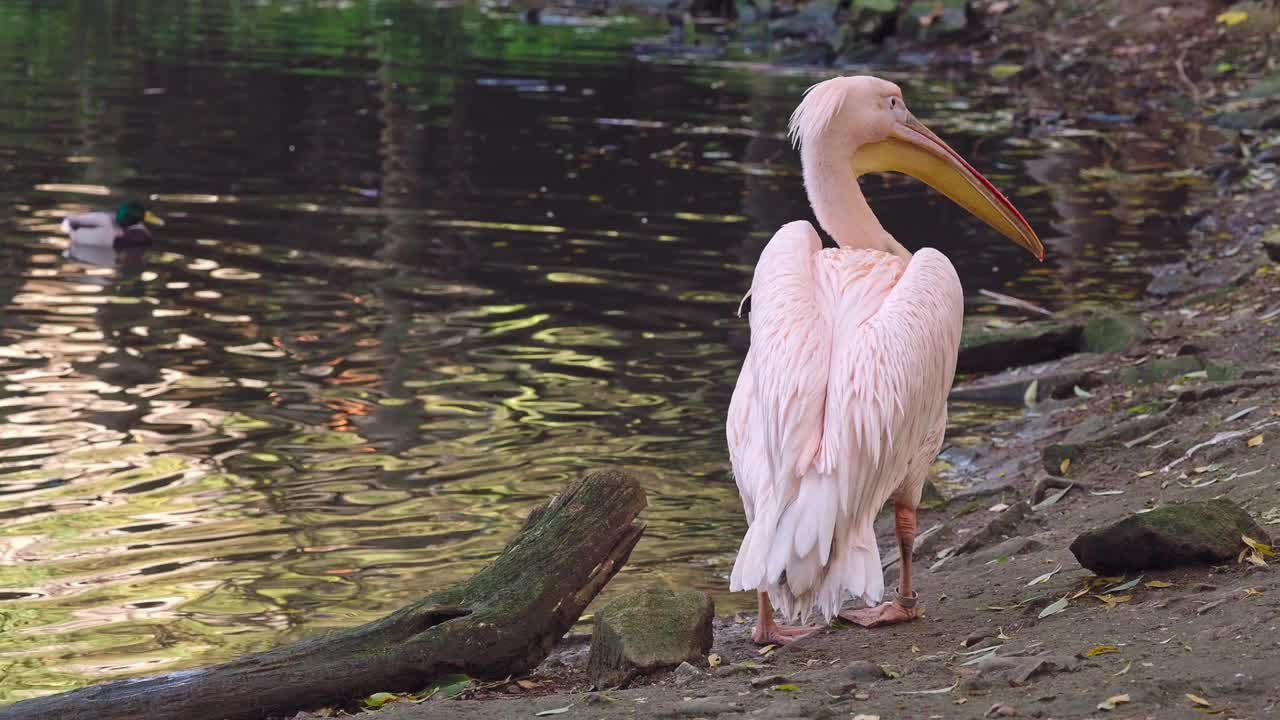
{"x":1201,"y":640}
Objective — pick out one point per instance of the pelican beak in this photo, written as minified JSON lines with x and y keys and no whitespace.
{"x":913,"y":149}
{"x":151,"y":218}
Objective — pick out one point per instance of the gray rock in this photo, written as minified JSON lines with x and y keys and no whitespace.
{"x":842,"y":680}
{"x":1055,"y":378}
{"x":1169,"y":536}
{"x":1174,"y":283}
{"x":984,"y":349}
{"x":1012,"y":547}
{"x":1001,"y":527}
{"x":648,"y":631}
{"x":1160,"y":369}
{"x":1109,"y":331}
{"x":1098,"y":433}
{"x":702,"y":707}
{"x":686,"y":673}
{"x":769,"y":681}
{"x":1271,"y":244}
{"x":1018,"y":670}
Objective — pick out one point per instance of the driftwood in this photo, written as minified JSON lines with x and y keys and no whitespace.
{"x":502,"y":621}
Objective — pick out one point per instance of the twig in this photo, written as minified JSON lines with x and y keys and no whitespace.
{"x":1011,"y":301}
{"x":1182,"y":73}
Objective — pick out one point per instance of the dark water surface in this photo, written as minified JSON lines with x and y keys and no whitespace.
{"x":423,"y":266}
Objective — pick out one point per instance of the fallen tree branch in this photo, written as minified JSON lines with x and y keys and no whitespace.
{"x":502,"y":621}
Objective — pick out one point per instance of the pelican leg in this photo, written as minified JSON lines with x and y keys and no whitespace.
{"x":902,"y":608}
{"x":768,"y":632}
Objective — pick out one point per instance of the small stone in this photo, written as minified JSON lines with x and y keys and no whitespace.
{"x":1109,"y":331}
{"x":1169,"y":536}
{"x":685,"y":674}
{"x":1170,"y":284}
{"x":1271,"y":244}
{"x":862,"y":695}
{"x":769,"y":681}
{"x":864,"y":671}
{"x":647,"y":631}
{"x":1001,"y":710}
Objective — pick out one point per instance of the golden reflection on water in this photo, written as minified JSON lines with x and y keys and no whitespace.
{"x":364,"y":348}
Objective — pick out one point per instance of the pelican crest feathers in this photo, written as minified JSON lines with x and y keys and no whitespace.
{"x":821,"y":103}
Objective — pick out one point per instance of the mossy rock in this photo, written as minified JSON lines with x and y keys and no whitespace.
{"x":1109,"y":331}
{"x":931,"y":498}
{"x":1169,"y":536}
{"x":984,"y":349}
{"x":1160,"y":369}
{"x":651,"y":630}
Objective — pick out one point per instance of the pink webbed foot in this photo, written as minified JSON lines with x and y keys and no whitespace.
{"x":886,"y":613}
{"x":772,"y":633}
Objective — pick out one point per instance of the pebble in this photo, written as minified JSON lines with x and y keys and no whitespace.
{"x":686,"y":673}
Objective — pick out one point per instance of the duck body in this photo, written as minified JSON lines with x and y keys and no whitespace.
{"x":126,"y":228}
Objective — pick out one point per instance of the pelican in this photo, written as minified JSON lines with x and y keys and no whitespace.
{"x":841,"y":403}
{"x":101,"y":229}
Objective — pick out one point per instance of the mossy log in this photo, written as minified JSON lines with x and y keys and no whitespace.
{"x":502,"y":621}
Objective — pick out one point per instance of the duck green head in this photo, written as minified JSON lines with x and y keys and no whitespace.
{"x":133,"y":212}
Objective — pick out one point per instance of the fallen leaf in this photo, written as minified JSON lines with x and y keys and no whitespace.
{"x":999,"y":507}
{"x":1066,"y":463}
{"x":1197,"y":700}
{"x":866,"y":717}
{"x":1250,"y":592}
{"x":1255,"y":441}
{"x":554,"y":711}
{"x":527,"y":684}
{"x":447,"y":686}
{"x":1001,"y":72}
{"x":1125,"y":586}
{"x":1053,"y":499}
{"x":1124,"y":670}
{"x":739,"y":619}
{"x":1157,"y":584}
{"x":380,"y":699}
{"x":1255,"y":559}
{"x":1045,"y":577}
{"x":1055,"y":608}
{"x":1101,"y":493}
{"x":1262,"y":548}
{"x":766,"y":649}
{"x":1081,"y":393}
{"x":1029,"y":395}
{"x":1111,"y":702}
{"x":862,"y":695}
{"x":1113,"y":600}
{"x":1083,"y":591}
{"x":786,"y":687}
{"x":1101,"y":650}
{"x":1146,"y":473}
{"x":915,"y":648}
{"x":714,"y":661}
{"x":1230,"y":18}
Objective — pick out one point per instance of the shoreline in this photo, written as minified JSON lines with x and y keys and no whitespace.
{"x":1189,"y":634}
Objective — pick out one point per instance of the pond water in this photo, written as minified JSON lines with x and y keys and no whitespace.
{"x":423,"y":265}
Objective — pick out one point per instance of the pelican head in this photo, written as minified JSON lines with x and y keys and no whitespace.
{"x":864,"y":122}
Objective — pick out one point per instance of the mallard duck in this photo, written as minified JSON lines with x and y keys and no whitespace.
{"x":127,"y":228}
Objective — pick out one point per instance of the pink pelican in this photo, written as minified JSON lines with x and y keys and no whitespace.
{"x":842,"y":399}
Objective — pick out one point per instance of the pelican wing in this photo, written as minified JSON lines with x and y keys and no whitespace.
{"x":774,"y":427}
{"x":890,"y":375}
